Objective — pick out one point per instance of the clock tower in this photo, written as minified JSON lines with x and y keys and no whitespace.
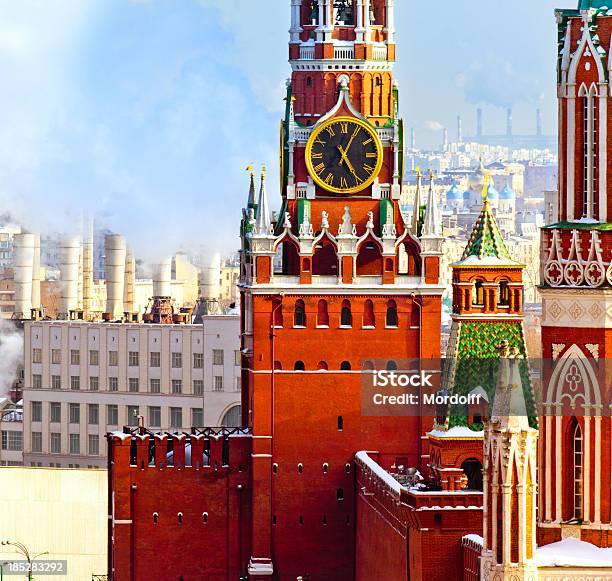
{"x":334,"y":281}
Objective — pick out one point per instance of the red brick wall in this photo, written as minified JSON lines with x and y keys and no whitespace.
{"x":210,"y":541}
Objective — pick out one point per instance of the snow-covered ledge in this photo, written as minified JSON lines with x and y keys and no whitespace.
{"x":364,"y":459}
{"x":573,"y":553}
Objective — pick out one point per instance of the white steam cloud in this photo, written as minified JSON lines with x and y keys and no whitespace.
{"x":11,"y":355}
{"x":434,"y":126}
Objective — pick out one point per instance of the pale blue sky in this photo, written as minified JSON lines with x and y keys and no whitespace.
{"x":147,"y":111}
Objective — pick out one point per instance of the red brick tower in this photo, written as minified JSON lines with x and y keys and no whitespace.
{"x":337,"y":281}
{"x":575,"y":475}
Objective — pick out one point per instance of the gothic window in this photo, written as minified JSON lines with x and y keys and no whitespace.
{"x":299,"y":317}
{"x":504,"y":293}
{"x":392,"y":318}
{"x":478,"y":293}
{"x":299,"y":366}
{"x":346,"y":316}
{"x":322,"y":314}
{"x":345,"y":366}
{"x":344,"y":13}
{"x":368,"y":314}
{"x":590,"y":145}
{"x":314,"y":12}
{"x":578,"y":465}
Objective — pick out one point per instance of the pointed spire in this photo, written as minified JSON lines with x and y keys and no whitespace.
{"x":432,"y":224}
{"x":263,"y":225}
{"x":509,"y":407}
{"x":251,"y":200}
{"x":416,"y":208}
{"x":486,"y":240}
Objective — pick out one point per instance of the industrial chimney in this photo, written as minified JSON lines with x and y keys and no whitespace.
{"x":445,"y":139}
{"x":23,"y":264}
{"x":210,"y":283}
{"x":539,"y":122}
{"x":479,"y":126}
{"x":161,"y":310}
{"x":70,"y":252}
{"x":509,"y":122}
{"x":115,"y":252}
{"x":130,"y":279}
{"x":459,"y":129}
{"x":36,"y":297}
{"x":88,"y":276}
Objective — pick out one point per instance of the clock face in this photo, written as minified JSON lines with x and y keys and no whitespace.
{"x":344,"y":155}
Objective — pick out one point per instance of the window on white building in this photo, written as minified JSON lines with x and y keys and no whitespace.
{"x":36,"y":441}
{"x":177,"y":386}
{"x":198,"y":360}
{"x":93,"y":444}
{"x":56,"y":443}
{"x":218,"y":383}
{"x":177,"y":360}
{"x":155,"y":385}
{"x":176,"y":417}
{"x":133,"y":384}
{"x":198,"y":387}
{"x":56,"y":356}
{"x":75,"y":382}
{"x":217,"y":356}
{"x":74,"y":442}
{"x":75,"y":357}
{"x":154,"y":359}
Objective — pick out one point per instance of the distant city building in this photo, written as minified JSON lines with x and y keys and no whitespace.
{"x":85,"y":379}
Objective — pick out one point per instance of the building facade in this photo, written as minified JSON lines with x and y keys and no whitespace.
{"x":83,"y":380}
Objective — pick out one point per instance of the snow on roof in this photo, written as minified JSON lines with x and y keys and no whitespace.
{"x":476,"y":539}
{"x":456,"y":432}
{"x":487,"y":261}
{"x":573,"y":553}
{"x":379,"y":471}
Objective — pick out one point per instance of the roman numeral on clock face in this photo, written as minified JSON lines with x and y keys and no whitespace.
{"x":344,"y":127}
{"x":368,"y":168}
{"x":320,"y":155}
{"x":320,"y":141}
{"x":368,"y":141}
{"x":343,"y":183}
{"x":329,"y":180}
{"x":330,"y":130}
{"x":371,"y":155}
{"x":319,"y":168}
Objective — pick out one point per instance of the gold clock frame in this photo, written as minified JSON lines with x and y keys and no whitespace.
{"x":372,"y":133}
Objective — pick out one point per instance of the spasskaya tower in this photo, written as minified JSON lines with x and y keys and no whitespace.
{"x":333,"y":282}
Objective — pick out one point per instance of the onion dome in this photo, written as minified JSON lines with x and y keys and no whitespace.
{"x":454,"y":194}
{"x":507,"y":193}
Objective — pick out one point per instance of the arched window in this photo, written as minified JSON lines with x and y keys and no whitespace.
{"x":478,"y":293}
{"x":322,"y":314}
{"x":578,"y":466}
{"x":345,"y":366}
{"x":369,"y":259}
{"x":368,"y":366}
{"x":323,"y":365}
{"x":504,"y":293}
{"x":309,"y":81}
{"x":287,"y":260}
{"x":369,"y":320}
{"x":392,"y":318}
{"x":391,"y":366}
{"x":325,"y":259}
{"x":473,"y":470}
{"x":346,"y":316}
{"x":231,"y":419}
{"x":277,"y":313}
{"x":278,"y":366}
{"x":299,"y":316}
{"x":299,"y":366}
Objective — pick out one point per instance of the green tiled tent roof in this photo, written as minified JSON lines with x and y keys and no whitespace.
{"x":486,"y":239}
{"x":475,"y":362}
{"x":586,"y":4}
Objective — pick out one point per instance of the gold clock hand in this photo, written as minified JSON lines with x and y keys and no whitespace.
{"x":346,"y":159}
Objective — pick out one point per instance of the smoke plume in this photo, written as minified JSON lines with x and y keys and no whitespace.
{"x":11,"y":355}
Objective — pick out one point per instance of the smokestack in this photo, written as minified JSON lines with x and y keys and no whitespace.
{"x":162,"y":280}
{"x":36,"y":302}
{"x":88,"y":277}
{"x":509,"y":122}
{"x":539,"y":122}
{"x":115,"y":251}
{"x":459,"y":129}
{"x":130,"y":278}
{"x":23,"y":263}
{"x":69,"y":276}
{"x":412,"y":139}
{"x":210,"y":285}
{"x":479,"y":127}
{"x":445,"y":139}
